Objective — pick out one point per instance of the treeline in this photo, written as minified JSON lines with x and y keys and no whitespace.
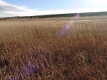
{"x":61,"y":15}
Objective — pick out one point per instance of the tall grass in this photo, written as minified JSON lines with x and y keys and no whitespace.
{"x":37,"y":50}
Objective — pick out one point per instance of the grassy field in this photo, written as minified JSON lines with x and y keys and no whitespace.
{"x":53,"y":49}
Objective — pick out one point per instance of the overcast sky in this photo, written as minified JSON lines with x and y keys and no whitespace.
{"x":39,"y":7}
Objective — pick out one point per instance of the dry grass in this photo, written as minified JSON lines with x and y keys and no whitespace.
{"x":53,"y":50}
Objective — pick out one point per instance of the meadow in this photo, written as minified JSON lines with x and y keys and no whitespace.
{"x":53,"y":49}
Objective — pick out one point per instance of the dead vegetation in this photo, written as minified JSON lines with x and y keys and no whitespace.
{"x":53,"y":50}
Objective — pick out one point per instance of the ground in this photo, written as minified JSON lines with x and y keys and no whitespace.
{"x":53,"y":49}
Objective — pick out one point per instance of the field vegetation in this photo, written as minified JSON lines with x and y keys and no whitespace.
{"x":53,"y":49}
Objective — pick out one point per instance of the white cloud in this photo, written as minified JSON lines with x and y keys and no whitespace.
{"x":7,"y":10}
{"x":13,"y":10}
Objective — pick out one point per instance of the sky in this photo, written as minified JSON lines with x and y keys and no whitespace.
{"x":10,"y":8}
